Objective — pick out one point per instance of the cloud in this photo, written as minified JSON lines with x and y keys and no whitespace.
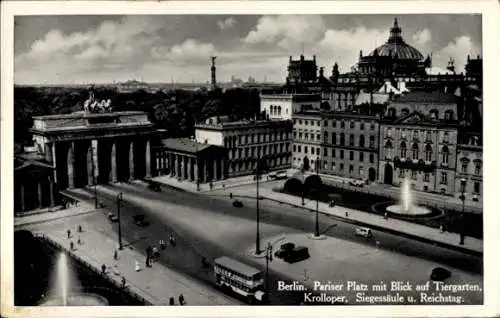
{"x":226,"y":24}
{"x":288,"y":32}
{"x":343,"y":46}
{"x":458,"y":50}
{"x":422,"y":37}
{"x":189,"y":51}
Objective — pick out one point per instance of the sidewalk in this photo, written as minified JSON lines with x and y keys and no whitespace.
{"x":155,"y":284}
{"x":421,"y":232}
{"x":82,"y":208}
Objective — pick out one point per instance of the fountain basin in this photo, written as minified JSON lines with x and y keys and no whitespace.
{"x":79,"y":299}
{"x":411,"y":211}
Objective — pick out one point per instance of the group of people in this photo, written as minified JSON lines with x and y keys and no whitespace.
{"x":79,"y":241}
{"x":153,"y":253}
{"x":182,"y":301}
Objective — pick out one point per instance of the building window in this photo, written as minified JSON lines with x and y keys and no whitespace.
{"x":306,"y":135}
{"x":334,"y":123}
{"x":477,"y":169}
{"x":372,"y":158}
{"x":341,"y":167}
{"x":305,"y":149}
{"x":448,"y":115}
{"x":426,"y":177}
{"x":299,"y":149}
{"x":351,"y":168}
{"x":444,"y":155}
{"x":403,"y":150}
{"x":465,"y":166}
{"x":414,"y":154}
{"x":325,"y":152}
{"x":414,"y":175}
{"x":342,"y":124}
{"x":351,"y":140}
{"x":388,"y":149}
{"x":341,"y":154}
{"x":401,"y":173}
{"x":334,"y":138}
{"x":361,"y":126}
{"x":428,"y":153}
{"x":342,"y":139}
{"x":318,"y":137}
{"x":333,"y":166}
{"x":325,"y":136}
{"x":351,"y":124}
{"x":444,"y":178}
{"x":372,"y":126}
{"x":312,"y":150}
{"x":333,"y":153}
{"x":306,"y":122}
{"x":351,"y":155}
{"x":372,"y":141}
{"x":318,"y":151}
{"x":318,"y":123}
{"x":326,"y":123}
{"x":294,"y":148}
{"x":477,"y":187}
{"x":300,"y":121}
{"x":361,"y":156}
{"x":362,"y":141}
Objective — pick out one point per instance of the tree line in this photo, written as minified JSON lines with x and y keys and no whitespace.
{"x":175,"y":110}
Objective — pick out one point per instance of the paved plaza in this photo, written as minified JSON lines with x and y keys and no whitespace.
{"x":156,"y":284}
{"x":334,"y":260}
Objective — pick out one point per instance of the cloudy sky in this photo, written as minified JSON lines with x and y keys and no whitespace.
{"x":82,"y":49}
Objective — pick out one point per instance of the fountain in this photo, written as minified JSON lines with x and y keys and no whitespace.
{"x":406,"y":206}
{"x":66,"y":292}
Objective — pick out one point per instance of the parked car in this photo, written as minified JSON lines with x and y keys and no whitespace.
{"x":357,"y":182}
{"x":284,"y":249}
{"x":298,"y":254}
{"x":440,"y":274}
{"x":331,"y":204}
{"x":281,"y":175}
{"x":140,"y":220}
{"x":363,"y":231}
{"x":112,"y":217}
{"x":271,"y":176}
{"x":237,"y":204}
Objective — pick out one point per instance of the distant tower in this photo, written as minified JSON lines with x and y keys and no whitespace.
{"x":214,"y":81}
{"x":451,"y":65}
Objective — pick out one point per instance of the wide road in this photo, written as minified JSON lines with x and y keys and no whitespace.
{"x":209,"y":225}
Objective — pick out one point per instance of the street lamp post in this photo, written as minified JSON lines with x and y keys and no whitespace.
{"x":462,"y":222}
{"x":269,"y":258}
{"x":257,"y":236}
{"x":316,"y":230}
{"x":119,"y":199}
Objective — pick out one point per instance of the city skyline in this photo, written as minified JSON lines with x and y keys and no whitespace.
{"x":106,"y":49}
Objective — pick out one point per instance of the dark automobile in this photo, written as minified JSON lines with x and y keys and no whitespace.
{"x":112,"y":217}
{"x":284,"y":249}
{"x":298,"y":254}
{"x":237,"y":204}
{"x":154,"y":186}
{"x":440,"y":274}
{"x":140,"y":220}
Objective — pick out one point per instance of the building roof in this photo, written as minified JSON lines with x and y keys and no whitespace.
{"x":367,"y":98}
{"x":184,"y":145}
{"x":426,"y":97}
{"x":396,"y":47}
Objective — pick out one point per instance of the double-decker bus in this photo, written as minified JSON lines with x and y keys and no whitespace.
{"x":240,"y":278}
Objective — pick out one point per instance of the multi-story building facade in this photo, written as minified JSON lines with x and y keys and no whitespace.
{"x":350,"y":145}
{"x":419,"y":142}
{"x":469,"y":176}
{"x":248,"y":140}
{"x":307,"y":140}
{"x":283,"y":106}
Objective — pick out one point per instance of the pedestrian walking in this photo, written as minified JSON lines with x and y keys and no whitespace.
{"x":103,"y":268}
{"x":137,"y":267}
{"x":346,"y":214}
{"x":181,"y":299}
{"x":124,"y":282}
{"x":71,"y":245}
{"x":156,"y":254}
{"x":171,"y":301}
{"x":79,"y":229}
{"x":79,"y":241}
{"x":115,"y":255}
{"x":172,"y":240}
{"x":386,"y":216}
{"x":69,"y":233}
{"x":148,"y":261}
{"x":441,"y":228}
